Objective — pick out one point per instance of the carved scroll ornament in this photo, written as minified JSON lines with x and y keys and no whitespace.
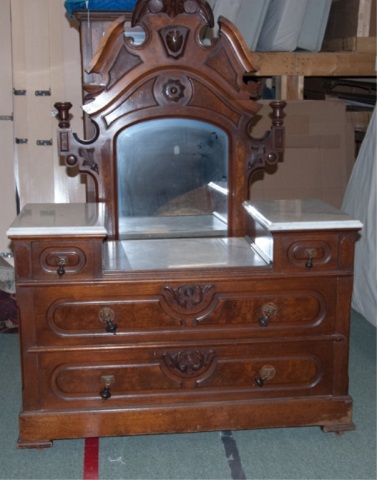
{"x":189,"y":367}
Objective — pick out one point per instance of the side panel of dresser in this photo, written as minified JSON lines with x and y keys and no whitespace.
{"x":190,"y":352}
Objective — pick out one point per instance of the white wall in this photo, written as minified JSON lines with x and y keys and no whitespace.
{"x":7,"y":190}
{"x":40,"y":50}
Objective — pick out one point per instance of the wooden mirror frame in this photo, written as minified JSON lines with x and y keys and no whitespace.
{"x":174,"y":73}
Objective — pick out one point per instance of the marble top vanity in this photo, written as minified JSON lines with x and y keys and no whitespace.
{"x":169,"y":302}
{"x":46,"y":220}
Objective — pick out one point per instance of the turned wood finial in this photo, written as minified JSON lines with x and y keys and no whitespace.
{"x":278,"y":112}
{"x":63,"y":113}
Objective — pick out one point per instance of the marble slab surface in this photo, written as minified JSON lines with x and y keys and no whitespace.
{"x":190,"y":253}
{"x":44,"y":219}
{"x":175,"y":226}
{"x":276,"y":215}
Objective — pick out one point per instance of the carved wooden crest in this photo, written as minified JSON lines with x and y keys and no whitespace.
{"x":174,"y":40}
{"x":173,"y":8}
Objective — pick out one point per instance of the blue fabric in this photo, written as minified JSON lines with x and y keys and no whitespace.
{"x":111,"y":5}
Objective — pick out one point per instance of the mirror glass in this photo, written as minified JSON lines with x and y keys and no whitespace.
{"x":172,"y":179}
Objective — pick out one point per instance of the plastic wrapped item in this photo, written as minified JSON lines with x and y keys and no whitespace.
{"x":226,"y":8}
{"x":110,"y":5}
{"x":314,"y":25}
{"x":360,"y":201}
{"x":250,"y":18}
{"x":282,"y":26}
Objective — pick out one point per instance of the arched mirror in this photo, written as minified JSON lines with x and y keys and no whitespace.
{"x":172,"y":179}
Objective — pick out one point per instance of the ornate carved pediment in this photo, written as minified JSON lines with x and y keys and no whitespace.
{"x":173,"y":8}
{"x":172,"y":72}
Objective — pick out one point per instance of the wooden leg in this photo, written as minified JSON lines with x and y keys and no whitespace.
{"x":39,"y":444}
{"x":339,"y":429}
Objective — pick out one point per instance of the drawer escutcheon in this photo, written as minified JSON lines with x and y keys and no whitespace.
{"x":267,"y":372}
{"x":269,"y":310}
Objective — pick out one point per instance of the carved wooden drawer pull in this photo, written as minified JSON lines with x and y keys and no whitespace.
{"x":265,"y":373}
{"x":310,"y":253}
{"x":108,"y":380}
{"x":61,"y":270}
{"x":107,"y":315}
{"x":268,"y":311}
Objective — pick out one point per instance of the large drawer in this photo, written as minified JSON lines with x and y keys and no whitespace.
{"x":182,"y":374}
{"x":122,"y":314}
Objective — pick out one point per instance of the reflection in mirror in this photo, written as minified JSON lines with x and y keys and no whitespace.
{"x":172,"y":179}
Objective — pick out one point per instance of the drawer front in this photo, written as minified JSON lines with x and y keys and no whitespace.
{"x":68,"y":260}
{"x":184,"y":374}
{"x":311,"y":253}
{"x":117,"y":315}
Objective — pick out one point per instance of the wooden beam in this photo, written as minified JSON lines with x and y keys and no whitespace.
{"x":322,"y":64}
{"x":351,"y":44}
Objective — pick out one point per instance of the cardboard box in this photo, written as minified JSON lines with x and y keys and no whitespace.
{"x":318,"y":157}
{"x":351,"y":26}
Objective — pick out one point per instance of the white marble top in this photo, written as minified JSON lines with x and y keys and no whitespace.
{"x":69,"y":219}
{"x":279,"y":215}
{"x":189,"y":253}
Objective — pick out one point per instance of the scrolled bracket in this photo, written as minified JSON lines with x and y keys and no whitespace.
{"x":267,"y":149}
{"x":76,"y":152}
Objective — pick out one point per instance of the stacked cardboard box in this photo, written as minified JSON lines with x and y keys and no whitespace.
{"x":319,"y":154}
{"x":351,"y":26}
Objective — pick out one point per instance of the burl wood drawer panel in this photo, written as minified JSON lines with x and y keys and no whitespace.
{"x":185,"y":373}
{"x":314,"y":253}
{"x":117,"y":315}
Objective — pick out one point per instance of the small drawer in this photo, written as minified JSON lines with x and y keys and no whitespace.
{"x":67,"y":260}
{"x":310,"y":253}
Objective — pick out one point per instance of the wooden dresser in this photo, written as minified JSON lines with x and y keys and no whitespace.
{"x":128,"y":341}
{"x":170,"y":303}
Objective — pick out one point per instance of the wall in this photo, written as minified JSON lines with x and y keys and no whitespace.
{"x":7,"y":186}
{"x":45,"y":52}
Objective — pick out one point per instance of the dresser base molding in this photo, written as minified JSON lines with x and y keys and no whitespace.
{"x":39,"y":429}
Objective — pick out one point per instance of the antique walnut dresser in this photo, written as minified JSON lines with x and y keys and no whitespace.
{"x":169,"y":302}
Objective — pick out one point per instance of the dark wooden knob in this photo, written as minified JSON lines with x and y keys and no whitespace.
{"x":63,"y":113}
{"x":105,"y":393}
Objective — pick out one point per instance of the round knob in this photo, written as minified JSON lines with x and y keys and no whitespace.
{"x":107,"y":315}
{"x":108,"y":380}
{"x":310,"y":254}
{"x":105,"y":393}
{"x":61,"y":270}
